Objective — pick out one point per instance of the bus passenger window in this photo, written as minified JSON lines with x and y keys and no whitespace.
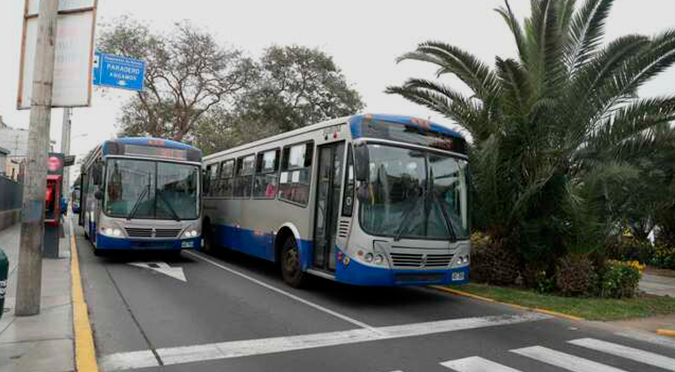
{"x":245,"y":168}
{"x":265,"y":183}
{"x":227,"y":175}
{"x":296,"y":173}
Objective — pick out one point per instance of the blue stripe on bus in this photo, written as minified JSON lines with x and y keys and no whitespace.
{"x":356,"y":127}
{"x":258,"y":244}
{"x":105,"y":242}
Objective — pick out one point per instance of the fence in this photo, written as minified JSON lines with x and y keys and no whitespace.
{"x":11,"y":193}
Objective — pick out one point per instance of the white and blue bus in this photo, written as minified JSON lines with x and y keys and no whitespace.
{"x":367,"y":200}
{"x":142,"y":194}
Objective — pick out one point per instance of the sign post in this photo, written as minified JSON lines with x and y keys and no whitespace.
{"x":29,"y":278}
{"x":118,"y":72}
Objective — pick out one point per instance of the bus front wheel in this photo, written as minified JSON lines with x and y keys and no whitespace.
{"x":290,"y":264}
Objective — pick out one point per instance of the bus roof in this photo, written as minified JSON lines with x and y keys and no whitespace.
{"x":354,"y":121}
{"x":149,"y":141}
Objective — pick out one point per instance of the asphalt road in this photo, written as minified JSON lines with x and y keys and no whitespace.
{"x":234,"y":313}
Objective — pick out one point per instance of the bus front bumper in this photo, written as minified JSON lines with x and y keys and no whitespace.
{"x":359,"y":274}
{"x":106,"y":242}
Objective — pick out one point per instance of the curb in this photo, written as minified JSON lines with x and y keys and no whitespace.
{"x":666,"y":332}
{"x":85,"y":352}
{"x":519,"y":307}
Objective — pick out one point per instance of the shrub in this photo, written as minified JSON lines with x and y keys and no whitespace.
{"x":573,"y":274}
{"x":663,"y":257}
{"x":491,"y":262}
{"x":630,"y":249}
{"x":478,"y":269}
{"x":621,"y":279}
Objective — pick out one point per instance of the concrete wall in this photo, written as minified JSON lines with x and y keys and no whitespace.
{"x":10,"y":202}
{"x":9,"y":218}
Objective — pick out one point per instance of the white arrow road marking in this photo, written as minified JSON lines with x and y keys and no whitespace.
{"x":164,"y":268}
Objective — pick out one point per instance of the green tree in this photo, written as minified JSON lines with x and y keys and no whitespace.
{"x":293,"y":87}
{"x":187,"y":73}
{"x":554,"y":127}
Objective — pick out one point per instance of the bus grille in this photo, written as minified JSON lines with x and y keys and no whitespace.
{"x":147,"y":233}
{"x":418,"y":260}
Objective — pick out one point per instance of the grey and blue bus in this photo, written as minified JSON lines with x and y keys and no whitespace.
{"x":376,"y":200}
{"x":142,"y":194}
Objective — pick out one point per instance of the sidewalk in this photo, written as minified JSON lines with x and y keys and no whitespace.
{"x":42,"y":342}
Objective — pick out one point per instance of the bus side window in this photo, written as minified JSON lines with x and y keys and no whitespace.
{"x":205,"y":180}
{"x":227,"y":175}
{"x":348,"y":202}
{"x":245,"y":168}
{"x":296,"y":173}
{"x":265,"y":183}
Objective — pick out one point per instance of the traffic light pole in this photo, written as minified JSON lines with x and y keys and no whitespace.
{"x":29,"y":276}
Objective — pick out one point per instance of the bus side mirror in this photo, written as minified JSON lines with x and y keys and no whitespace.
{"x":362,"y":193}
{"x":98,"y":195}
{"x":361,"y":162}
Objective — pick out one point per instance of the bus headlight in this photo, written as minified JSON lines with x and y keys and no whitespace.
{"x":369,"y":257}
{"x":190,"y":233}
{"x":111,"y":231}
{"x":379,"y":259}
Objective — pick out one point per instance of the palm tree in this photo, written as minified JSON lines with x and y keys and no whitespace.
{"x":554,"y":127}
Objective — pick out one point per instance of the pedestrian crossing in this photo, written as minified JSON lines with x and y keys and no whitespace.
{"x":565,"y":361}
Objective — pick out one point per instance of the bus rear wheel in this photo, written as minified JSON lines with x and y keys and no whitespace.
{"x":290,"y":264}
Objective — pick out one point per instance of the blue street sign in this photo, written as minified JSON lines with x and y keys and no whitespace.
{"x":118,"y":72}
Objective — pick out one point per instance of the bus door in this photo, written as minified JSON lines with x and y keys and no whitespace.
{"x":329,"y":183}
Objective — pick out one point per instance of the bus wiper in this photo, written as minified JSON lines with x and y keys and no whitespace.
{"x":406,"y":218}
{"x":444,"y":209}
{"x":138,"y":202}
{"x":446,"y":217}
{"x":173,"y":211}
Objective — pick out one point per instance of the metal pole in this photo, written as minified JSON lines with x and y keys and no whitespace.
{"x":29,"y":276}
{"x":65,"y":149}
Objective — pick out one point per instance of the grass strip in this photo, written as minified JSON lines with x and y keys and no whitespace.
{"x":602,"y":309}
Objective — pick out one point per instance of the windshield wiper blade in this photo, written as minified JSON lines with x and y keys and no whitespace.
{"x":138,"y":202}
{"x":446,"y":217}
{"x":173,"y":211}
{"x":406,"y":218}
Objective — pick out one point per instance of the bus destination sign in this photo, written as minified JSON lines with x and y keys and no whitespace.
{"x":156,"y":152}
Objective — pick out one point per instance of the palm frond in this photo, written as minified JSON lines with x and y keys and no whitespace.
{"x":517,"y":31}
{"x":586,"y":32}
{"x":545,"y":48}
{"x":469,"y":114}
{"x":516,"y":88}
{"x":453,"y":60}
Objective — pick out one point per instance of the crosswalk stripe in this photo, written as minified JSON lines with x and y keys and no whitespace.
{"x":637,"y":355}
{"x":476,"y":364}
{"x":564,"y":361}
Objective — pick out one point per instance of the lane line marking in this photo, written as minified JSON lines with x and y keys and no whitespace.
{"x":648,"y":337}
{"x":476,"y":364}
{"x":234,"y":349}
{"x":85,"y":351}
{"x":564,"y":361}
{"x":287,"y":294}
{"x":637,"y":355}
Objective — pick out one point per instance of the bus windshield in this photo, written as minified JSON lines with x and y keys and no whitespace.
{"x":151,"y":190}
{"x":415,"y":194}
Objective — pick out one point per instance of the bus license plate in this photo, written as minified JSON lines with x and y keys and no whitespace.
{"x":188,"y":244}
{"x":457,"y":276}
